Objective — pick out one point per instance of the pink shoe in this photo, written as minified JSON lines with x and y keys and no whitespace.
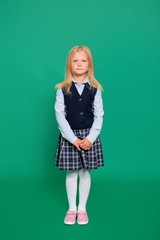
{"x":82,"y":217}
{"x":70,"y":217}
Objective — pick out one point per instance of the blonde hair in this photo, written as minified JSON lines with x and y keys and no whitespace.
{"x":66,"y":84}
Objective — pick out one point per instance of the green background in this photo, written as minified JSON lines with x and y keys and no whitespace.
{"x":124,"y":39}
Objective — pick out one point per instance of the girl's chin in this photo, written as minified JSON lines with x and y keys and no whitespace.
{"x":80,"y":73}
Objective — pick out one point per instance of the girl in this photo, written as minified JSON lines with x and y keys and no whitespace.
{"x":79,"y":112}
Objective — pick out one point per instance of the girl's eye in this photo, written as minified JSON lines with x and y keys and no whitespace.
{"x":76,"y":60}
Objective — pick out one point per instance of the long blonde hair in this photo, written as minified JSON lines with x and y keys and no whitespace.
{"x":67,"y":82}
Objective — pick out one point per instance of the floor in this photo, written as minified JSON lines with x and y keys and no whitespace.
{"x":117,"y":209}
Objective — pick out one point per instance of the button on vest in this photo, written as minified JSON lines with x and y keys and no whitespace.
{"x":79,"y":108}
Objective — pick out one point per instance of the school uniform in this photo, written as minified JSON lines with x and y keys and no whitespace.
{"x":79,"y":116}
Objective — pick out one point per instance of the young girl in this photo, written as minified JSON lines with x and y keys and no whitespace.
{"x":79,"y":112}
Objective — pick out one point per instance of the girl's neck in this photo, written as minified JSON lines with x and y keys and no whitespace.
{"x":79,"y":79}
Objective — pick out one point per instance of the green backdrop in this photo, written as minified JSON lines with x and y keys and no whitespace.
{"x":124,"y":39}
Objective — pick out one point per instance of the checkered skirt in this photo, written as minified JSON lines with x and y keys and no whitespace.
{"x":68,"y":157}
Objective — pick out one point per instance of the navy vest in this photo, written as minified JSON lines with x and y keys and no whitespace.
{"x":79,"y":108}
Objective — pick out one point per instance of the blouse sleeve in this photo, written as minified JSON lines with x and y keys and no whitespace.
{"x":98,"y":117}
{"x":63,"y":124}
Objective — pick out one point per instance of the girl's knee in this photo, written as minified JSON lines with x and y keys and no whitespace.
{"x":72,"y":173}
{"x":84,"y":172}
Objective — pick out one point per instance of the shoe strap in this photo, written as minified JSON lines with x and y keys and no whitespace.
{"x":82,"y":212}
{"x":71,"y":212}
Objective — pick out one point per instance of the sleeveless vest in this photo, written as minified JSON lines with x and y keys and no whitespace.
{"x":79,"y":108}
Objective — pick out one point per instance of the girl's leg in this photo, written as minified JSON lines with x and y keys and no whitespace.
{"x":84,"y":188}
{"x":71,"y":188}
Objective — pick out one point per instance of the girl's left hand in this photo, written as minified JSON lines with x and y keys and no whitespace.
{"x":85,"y":144}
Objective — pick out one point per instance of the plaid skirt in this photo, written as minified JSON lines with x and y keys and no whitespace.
{"x":68,"y":157}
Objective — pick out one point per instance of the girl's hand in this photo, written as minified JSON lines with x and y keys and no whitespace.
{"x":85,"y":144}
{"x":76,"y":143}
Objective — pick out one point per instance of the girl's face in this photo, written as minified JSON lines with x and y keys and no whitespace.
{"x":79,"y":63}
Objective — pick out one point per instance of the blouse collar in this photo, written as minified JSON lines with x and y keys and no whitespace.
{"x":85,"y":81}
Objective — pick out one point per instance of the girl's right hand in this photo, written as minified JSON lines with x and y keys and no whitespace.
{"x":76,"y":143}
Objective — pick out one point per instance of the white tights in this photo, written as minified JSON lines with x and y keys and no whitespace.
{"x":84,"y":188}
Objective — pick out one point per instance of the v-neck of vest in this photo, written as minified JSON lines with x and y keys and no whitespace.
{"x":84,"y":89}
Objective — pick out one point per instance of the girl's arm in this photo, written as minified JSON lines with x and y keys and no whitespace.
{"x":63,"y":124}
{"x":98,"y":117}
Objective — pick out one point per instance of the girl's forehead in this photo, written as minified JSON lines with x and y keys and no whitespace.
{"x":80,"y":54}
